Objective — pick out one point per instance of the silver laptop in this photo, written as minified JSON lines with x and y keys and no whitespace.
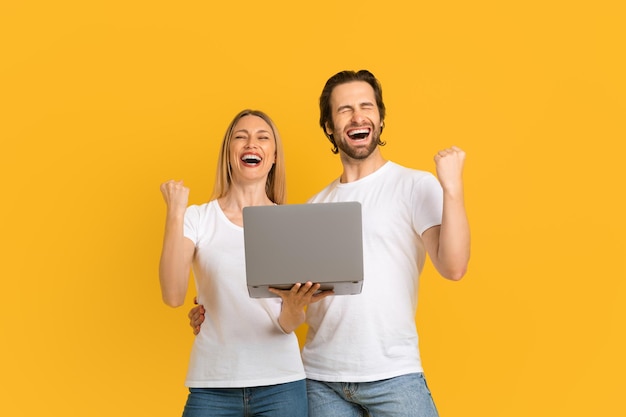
{"x":286,"y":244}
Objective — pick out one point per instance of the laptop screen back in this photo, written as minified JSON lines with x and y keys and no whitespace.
{"x":286,"y":244}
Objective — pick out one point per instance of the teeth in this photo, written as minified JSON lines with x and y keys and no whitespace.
{"x":361,"y":133}
{"x":250,"y":157}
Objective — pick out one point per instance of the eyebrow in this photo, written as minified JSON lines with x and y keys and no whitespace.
{"x":246,"y":131}
{"x":349,"y":106}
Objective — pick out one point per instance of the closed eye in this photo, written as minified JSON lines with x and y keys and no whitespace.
{"x":344,"y":109}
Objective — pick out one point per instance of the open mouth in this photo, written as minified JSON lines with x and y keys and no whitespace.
{"x":251,"y":159}
{"x":357,"y":134}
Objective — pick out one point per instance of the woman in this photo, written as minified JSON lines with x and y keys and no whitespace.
{"x":246,"y":358}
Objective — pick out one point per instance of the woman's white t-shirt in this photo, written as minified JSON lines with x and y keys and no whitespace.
{"x":240,"y":343}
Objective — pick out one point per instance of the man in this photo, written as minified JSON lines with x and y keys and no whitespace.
{"x":361,"y":354}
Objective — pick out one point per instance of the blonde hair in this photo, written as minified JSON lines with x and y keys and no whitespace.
{"x":276,"y":184}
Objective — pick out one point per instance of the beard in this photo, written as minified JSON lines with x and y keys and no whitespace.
{"x":359,"y":152}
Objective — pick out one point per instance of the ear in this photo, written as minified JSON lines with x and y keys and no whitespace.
{"x":327,"y":128}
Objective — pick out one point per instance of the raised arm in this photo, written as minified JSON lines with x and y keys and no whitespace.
{"x":177,"y":251}
{"x":448,"y":245}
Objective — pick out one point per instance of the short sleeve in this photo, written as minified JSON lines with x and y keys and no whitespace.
{"x":192,"y":221}
{"x":427,"y":203}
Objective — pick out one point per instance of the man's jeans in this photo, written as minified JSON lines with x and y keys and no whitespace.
{"x":402,"y":396}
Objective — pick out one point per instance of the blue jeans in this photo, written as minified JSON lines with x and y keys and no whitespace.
{"x":282,"y":400}
{"x":402,"y":396}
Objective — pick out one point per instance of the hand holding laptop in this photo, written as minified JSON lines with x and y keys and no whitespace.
{"x":312,"y":292}
{"x":294,"y":302}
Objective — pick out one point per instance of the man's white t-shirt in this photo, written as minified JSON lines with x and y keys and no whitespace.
{"x":372,"y":336}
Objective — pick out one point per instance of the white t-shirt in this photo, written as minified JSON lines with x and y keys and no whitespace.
{"x":240,"y":343}
{"x":372,"y":336}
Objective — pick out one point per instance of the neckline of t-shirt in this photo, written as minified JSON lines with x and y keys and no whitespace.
{"x":368,"y":177}
{"x":225,"y":218}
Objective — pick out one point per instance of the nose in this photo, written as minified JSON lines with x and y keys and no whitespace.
{"x":251,"y":143}
{"x":357,"y":116}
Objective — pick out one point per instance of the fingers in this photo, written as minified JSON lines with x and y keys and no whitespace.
{"x":192,"y":312}
{"x":321,"y":295}
{"x":196,"y":312}
{"x":299,"y":294}
{"x":449,"y":164}
{"x":306,"y":289}
{"x":451,"y":151}
{"x":449,"y":160}
{"x":196,"y":318}
{"x":170,"y":185}
{"x":196,"y":323}
{"x":176,"y":195}
{"x":296,"y":289}
{"x":173,"y":187}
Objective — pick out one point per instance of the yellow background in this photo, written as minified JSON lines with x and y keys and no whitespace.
{"x":103,"y":101}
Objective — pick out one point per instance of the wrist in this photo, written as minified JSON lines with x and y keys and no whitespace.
{"x":175,"y":214}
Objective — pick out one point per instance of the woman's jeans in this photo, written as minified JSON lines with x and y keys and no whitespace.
{"x":282,"y":400}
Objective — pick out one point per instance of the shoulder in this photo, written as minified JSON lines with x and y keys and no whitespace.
{"x":321,"y":195}
{"x":401,"y":169}
{"x":201,"y":211}
{"x":412,"y":174}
